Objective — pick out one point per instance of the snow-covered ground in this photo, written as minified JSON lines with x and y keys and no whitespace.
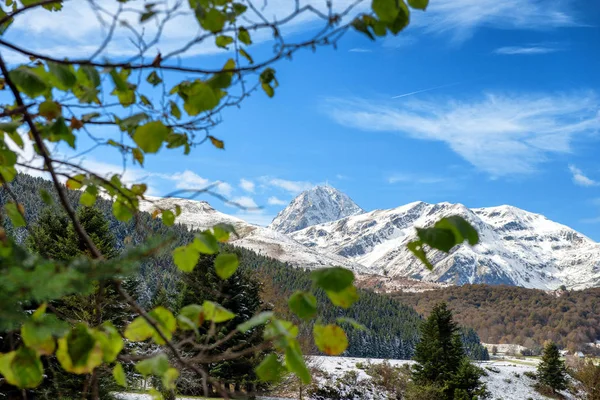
{"x":508,"y":382}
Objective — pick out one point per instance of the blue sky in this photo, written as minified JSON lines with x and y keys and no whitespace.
{"x":479,"y":102}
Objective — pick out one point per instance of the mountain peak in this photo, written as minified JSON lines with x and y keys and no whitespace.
{"x":320,"y":204}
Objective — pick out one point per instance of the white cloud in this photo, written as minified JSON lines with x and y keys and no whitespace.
{"x":579,"y":178}
{"x":187,"y":180}
{"x":293,"y":187}
{"x":499,"y":134}
{"x":526,"y":50}
{"x":360,"y":50}
{"x":224,"y":188}
{"x":414,"y":178}
{"x":275,"y":201}
{"x":247,"y":185}
{"x":461,"y":18}
{"x":245,"y":201}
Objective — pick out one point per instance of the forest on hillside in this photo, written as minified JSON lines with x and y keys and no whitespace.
{"x":516,"y":315}
{"x":392,"y":327}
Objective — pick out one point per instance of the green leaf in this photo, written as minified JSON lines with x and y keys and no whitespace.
{"x":355,"y":324}
{"x":154,"y":79}
{"x":247,"y":56}
{"x":333,"y":279}
{"x":330,"y":339}
{"x":156,"y":365}
{"x":186,"y":257}
{"x":46,"y":197}
{"x":226,"y":264}
{"x":213,"y":21}
{"x":139,"y":330}
{"x":169,"y":378}
{"x":294,"y":361}
{"x":386,"y":10}
{"x":416,"y":247}
{"x":75,"y":182}
{"x":121,"y":211}
{"x":223,"y":41}
{"x":269,"y":369}
{"x":168,"y":217}
{"x":79,"y":352}
{"x":418,"y":4}
{"x":221,"y":232}
{"x":303,"y":304}
{"x":244,"y":36}
{"x":49,"y":110}
{"x":13,"y":212}
{"x":461,"y":229}
{"x":88,"y":198}
{"x":345,"y":298}
{"x":255,"y":321}
{"x":110,"y":341}
{"x":175,"y":111}
{"x":194,"y":314}
{"x":441,"y":239}
{"x":200,"y":97}
{"x":22,"y":368}
{"x":64,"y":75}
{"x":215,"y":312}
{"x":206,"y":243}
{"x":150,"y":137}
{"x":28,"y":81}
{"x":119,"y":375}
{"x":90,"y":76}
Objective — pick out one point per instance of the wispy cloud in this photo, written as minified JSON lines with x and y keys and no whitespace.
{"x":579,"y":178}
{"x":499,"y":134}
{"x":292,"y":187}
{"x":527,"y":50}
{"x":414,"y":178}
{"x":247,"y":185}
{"x":275,"y":201}
{"x":461,"y":18}
{"x":360,"y":50}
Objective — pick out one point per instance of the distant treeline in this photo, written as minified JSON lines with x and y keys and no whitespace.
{"x":515,"y":315}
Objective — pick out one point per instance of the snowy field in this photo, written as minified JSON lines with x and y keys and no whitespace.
{"x":505,"y":380}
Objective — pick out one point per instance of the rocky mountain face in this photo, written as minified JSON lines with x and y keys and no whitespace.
{"x":324,"y":227}
{"x":315,"y":206}
{"x":516,"y":247}
{"x":199,"y":215}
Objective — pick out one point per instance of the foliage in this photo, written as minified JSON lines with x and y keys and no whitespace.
{"x":589,"y":375}
{"x":146,"y":104}
{"x":441,"y":361}
{"x":516,"y":315}
{"x":551,"y":370}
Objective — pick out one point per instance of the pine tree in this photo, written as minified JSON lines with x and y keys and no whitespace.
{"x":441,"y":360}
{"x":551,"y":370}
{"x":241,"y":295}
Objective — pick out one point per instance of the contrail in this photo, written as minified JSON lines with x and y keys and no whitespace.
{"x":426,"y":90}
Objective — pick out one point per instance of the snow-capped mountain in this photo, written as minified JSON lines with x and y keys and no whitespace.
{"x":315,"y":206}
{"x":516,"y":247}
{"x":199,"y":215}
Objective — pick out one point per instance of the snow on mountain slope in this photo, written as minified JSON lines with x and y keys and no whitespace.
{"x":516,"y":247}
{"x":199,"y":215}
{"x":315,"y":206}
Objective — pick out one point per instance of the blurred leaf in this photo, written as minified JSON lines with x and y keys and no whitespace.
{"x":49,"y":110}
{"x":226,"y":264}
{"x":193,"y":313}
{"x":154,"y":79}
{"x":186,"y":257}
{"x":219,"y":144}
{"x":247,"y":56}
{"x":269,"y":369}
{"x":416,"y":247}
{"x":215,"y":312}
{"x":110,"y":341}
{"x":206,"y":243}
{"x":75,"y":182}
{"x":345,"y":298}
{"x":294,"y":362}
{"x":119,"y":375}
{"x":255,"y":321}
{"x":175,"y":111}
{"x":157,"y":365}
{"x":28,"y":81}
{"x":22,"y":368}
{"x":334,"y":279}
{"x":418,"y":4}
{"x":168,"y":217}
{"x":303,"y":304}
{"x":223,"y":41}
{"x":386,"y":10}
{"x":221,"y":232}
{"x":150,"y":137}
{"x":330,"y":339}
{"x":121,"y":211}
{"x":64,"y":75}
{"x":79,"y":352}
{"x":244,"y":36}
{"x":355,"y":324}
{"x":14,"y":213}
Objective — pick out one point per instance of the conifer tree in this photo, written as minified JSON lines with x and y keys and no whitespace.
{"x":441,"y":360}
{"x":551,"y":370}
